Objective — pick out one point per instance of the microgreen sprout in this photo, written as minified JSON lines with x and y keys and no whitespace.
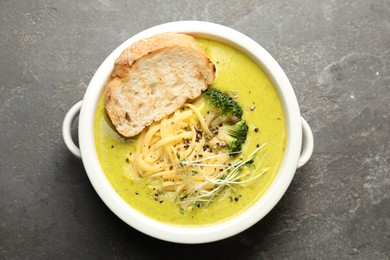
{"x":228,"y":176}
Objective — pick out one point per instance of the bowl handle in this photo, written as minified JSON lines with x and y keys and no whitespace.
{"x":66,"y":128}
{"x":307,"y":144}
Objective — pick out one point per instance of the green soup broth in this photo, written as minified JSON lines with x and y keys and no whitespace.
{"x":238,"y":75}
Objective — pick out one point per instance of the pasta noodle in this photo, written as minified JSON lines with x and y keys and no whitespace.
{"x":176,"y":155}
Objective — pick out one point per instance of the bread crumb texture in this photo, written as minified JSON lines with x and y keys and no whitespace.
{"x":154,"y":77}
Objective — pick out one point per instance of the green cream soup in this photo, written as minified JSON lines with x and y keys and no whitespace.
{"x":237,"y":75}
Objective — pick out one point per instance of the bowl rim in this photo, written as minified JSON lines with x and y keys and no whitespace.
{"x":213,"y":232}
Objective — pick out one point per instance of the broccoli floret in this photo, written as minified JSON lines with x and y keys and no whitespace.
{"x":221,"y":108}
{"x":224,"y":118}
{"x":233,"y":136}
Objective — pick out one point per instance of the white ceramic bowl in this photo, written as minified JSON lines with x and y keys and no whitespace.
{"x":299,"y":143}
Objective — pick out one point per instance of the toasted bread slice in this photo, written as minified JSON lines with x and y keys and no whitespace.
{"x":154,"y":77}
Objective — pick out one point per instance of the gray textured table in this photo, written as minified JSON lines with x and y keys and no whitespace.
{"x":337,"y":56}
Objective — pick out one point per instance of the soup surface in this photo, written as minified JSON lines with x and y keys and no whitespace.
{"x":239,"y":76}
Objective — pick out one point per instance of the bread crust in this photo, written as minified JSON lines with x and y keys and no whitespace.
{"x":153,"y":77}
